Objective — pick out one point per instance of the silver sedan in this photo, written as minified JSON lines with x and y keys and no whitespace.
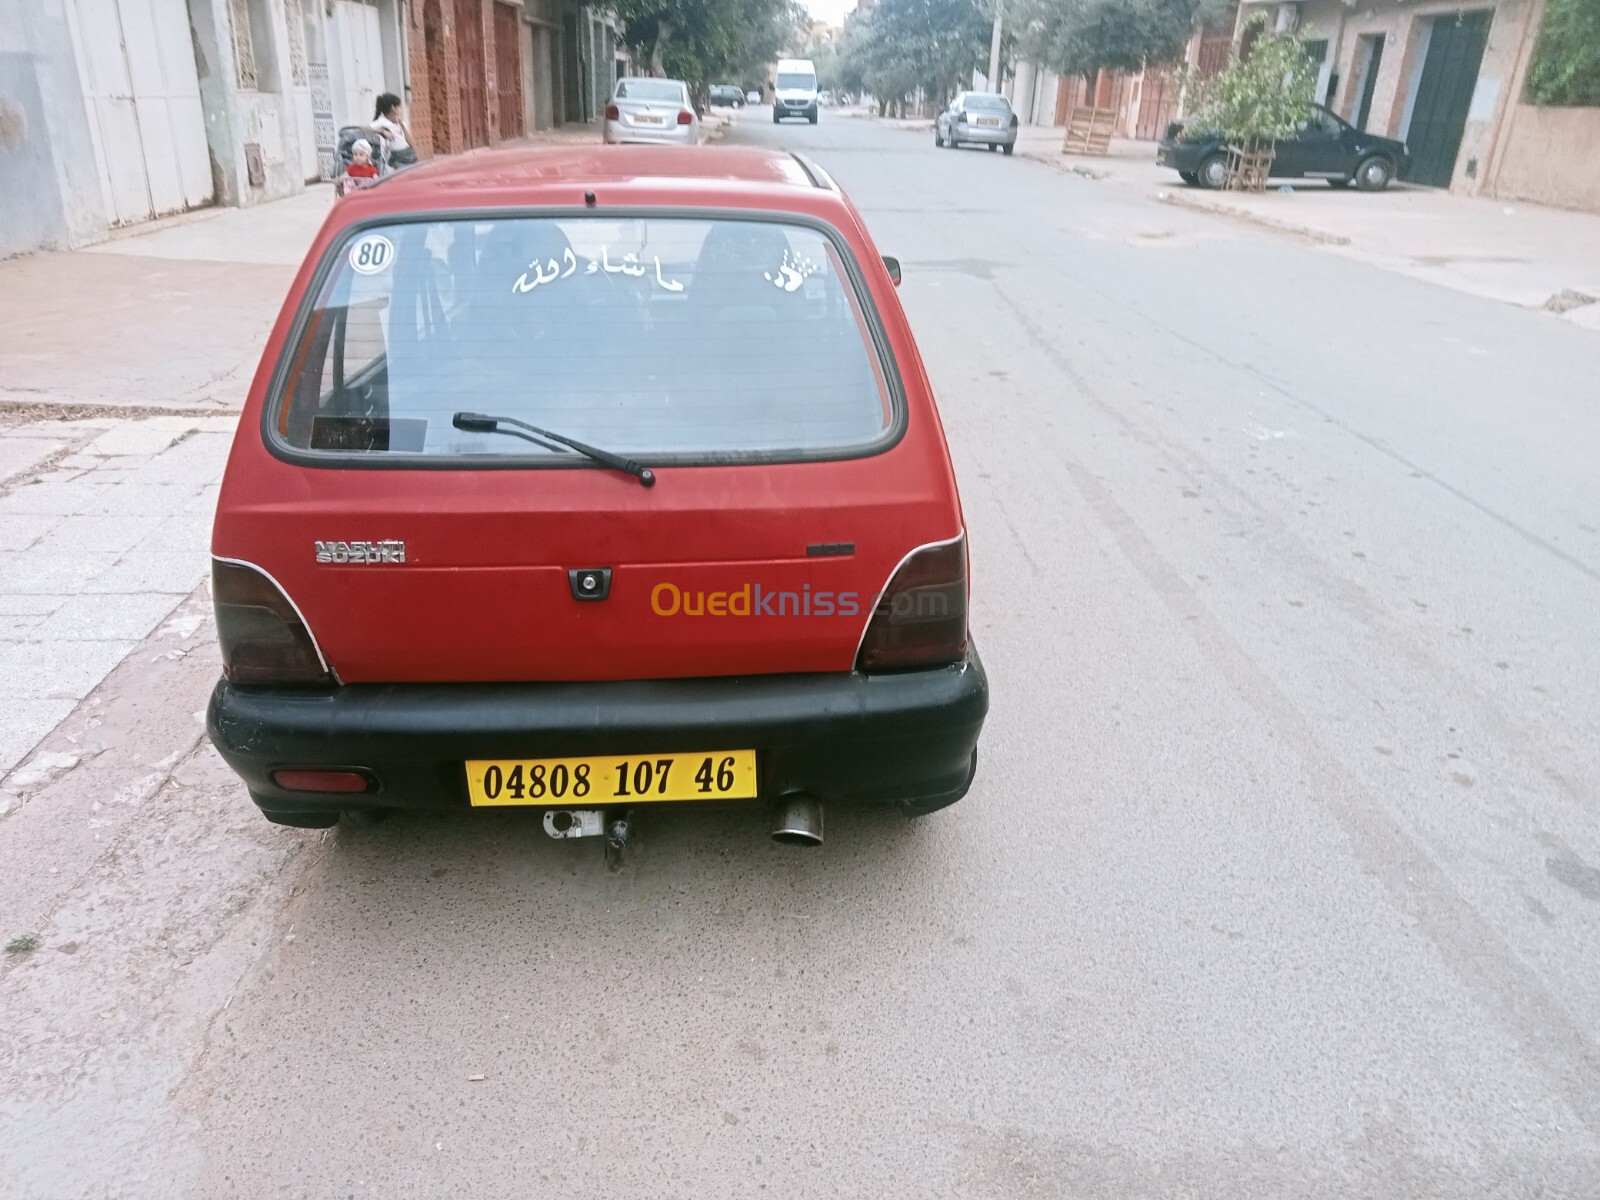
{"x":977,"y":119}
{"x":657,"y":111}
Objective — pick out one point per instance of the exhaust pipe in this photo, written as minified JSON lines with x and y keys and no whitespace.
{"x":797,"y":820}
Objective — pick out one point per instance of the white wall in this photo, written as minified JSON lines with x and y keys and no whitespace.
{"x":236,"y":116}
{"x":50,"y":193}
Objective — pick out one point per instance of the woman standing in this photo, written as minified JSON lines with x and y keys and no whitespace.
{"x":388,"y":122}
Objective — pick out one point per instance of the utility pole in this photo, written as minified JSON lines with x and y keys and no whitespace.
{"x":994,"y":49}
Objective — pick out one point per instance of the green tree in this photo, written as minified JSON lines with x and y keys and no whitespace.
{"x":1566,"y":61}
{"x":1260,"y":97}
{"x":706,"y":41}
{"x":850,"y":57}
{"x":901,"y":47}
{"x":1080,"y":37}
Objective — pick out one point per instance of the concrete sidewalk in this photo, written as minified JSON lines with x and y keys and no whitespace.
{"x":1523,"y":254}
{"x":171,"y":315}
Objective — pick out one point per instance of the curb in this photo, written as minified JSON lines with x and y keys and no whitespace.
{"x":1185,"y":199}
{"x":1059,"y":161}
{"x":19,"y":409}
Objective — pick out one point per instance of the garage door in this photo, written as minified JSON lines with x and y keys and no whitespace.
{"x":1444,"y":95}
{"x":358,"y":38}
{"x":136,"y":65}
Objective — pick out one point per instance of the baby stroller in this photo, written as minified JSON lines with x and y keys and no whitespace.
{"x":343,"y":184}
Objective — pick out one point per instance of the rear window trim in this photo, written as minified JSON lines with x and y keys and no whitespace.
{"x":879,"y":344}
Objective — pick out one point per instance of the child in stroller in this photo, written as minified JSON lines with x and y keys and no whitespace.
{"x":360,"y":164}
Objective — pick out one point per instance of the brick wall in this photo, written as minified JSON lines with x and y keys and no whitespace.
{"x":435,"y":76}
{"x":452,"y":67}
{"x":419,"y":105}
{"x":491,"y":115}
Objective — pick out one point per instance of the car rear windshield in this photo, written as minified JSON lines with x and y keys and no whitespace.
{"x":650,"y":89}
{"x":986,"y":103}
{"x":660,"y":337}
{"x":797,"y":82}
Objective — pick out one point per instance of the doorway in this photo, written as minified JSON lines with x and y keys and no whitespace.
{"x":357,"y":29}
{"x":1369,"y":58}
{"x":141,"y":88}
{"x":472,"y":86}
{"x":1444,"y":94}
{"x":508,"y":70}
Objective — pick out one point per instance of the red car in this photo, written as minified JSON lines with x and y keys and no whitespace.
{"x":587,"y":479}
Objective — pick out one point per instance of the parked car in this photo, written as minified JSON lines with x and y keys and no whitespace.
{"x":977,"y":119}
{"x":727,"y":94}
{"x":583,"y":479}
{"x":752,"y":97}
{"x":651,"y":110}
{"x":1326,"y":147}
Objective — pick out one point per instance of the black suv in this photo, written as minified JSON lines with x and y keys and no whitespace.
{"x":1325,"y":148}
{"x":726,"y":93}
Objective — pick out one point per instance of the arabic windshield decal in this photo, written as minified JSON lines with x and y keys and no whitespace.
{"x":552,"y":269}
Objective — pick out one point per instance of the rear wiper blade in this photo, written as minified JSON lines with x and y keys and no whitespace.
{"x":483,"y":423}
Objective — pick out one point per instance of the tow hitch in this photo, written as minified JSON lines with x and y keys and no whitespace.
{"x":613,"y":824}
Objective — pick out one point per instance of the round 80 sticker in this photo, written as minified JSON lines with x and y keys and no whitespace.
{"x":371,"y":254}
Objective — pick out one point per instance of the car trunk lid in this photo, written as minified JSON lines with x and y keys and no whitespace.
{"x":715,"y":571}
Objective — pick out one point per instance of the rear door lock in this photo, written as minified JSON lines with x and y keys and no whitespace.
{"x":590,"y":583}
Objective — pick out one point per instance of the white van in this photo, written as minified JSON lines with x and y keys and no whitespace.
{"x":795,"y":90}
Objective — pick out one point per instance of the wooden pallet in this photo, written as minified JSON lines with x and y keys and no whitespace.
{"x":1089,"y":131}
{"x":1248,"y":169}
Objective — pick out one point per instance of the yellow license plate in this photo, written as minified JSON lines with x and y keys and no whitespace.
{"x":988,"y":121}
{"x":594,"y":781}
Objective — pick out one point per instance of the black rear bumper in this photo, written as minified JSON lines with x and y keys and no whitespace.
{"x":1184,"y":157}
{"x":848,"y":738}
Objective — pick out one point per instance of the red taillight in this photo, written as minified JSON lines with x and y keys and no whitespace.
{"x":613,"y":113}
{"x":263,"y":638}
{"x":685,"y":117}
{"x":921,"y":618}
{"x":322,"y":781}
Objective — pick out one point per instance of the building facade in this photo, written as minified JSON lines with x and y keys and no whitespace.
{"x":114,"y":112}
{"x":1448,"y":77}
{"x":1436,"y":74}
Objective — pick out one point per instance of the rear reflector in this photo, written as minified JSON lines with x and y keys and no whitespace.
{"x":322,"y":781}
{"x":613,"y":113}
{"x":263,"y":639}
{"x":921,"y":618}
{"x":685,"y":117}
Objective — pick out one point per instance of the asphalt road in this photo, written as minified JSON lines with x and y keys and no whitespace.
{"x":1280,"y":878}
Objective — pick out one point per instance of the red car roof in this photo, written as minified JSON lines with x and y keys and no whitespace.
{"x":616,"y":174}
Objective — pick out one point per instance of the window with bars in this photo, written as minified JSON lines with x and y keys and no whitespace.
{"x":294,"y":17}
{"x":244,"y":52}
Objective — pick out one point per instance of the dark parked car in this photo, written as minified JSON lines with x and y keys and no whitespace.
{"x":727,"y":94}
{"x":1325,"y":148}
